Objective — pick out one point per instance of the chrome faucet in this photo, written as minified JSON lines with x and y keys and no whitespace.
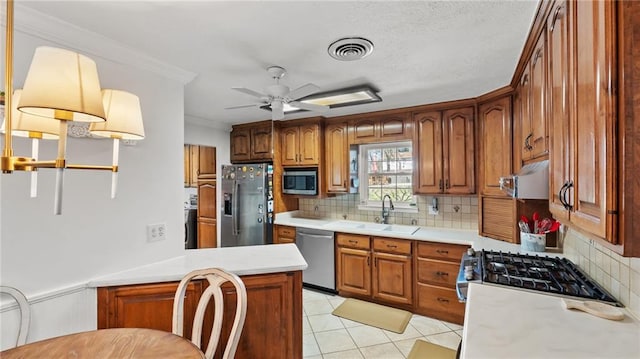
{"x":385,"y":211}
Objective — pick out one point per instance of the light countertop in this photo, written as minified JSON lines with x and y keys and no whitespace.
{"x":246,"y":260}
{"x":430,"y":234}
{"x":505,"y":323}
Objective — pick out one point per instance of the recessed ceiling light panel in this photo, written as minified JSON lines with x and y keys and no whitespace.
{"x":350,"y":48}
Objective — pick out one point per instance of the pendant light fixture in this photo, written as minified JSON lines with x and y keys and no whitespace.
{"x":60,"y":86}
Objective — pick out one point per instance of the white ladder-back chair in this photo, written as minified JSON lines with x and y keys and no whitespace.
{"x":216,"y":277}
{"x":25,"y":312}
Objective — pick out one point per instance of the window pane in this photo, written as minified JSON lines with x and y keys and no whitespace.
{"x":389,"y":170}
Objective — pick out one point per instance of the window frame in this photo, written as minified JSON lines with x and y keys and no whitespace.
{"x":363,"y":174}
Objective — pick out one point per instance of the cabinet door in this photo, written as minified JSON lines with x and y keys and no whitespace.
{"x":207,"y":233}
{"x":187,"y":166}
{"x":539,"y":139}
{"x":459,"y":151}
{"x":289,"y":146}
{"x":207,"y":206}
{"x":363,"y":131}
{"x":309,"y":145}
{"x":524,"y":121}
{"x":336,"y":157}
{"x":394,"y":127}
{"x":559,"y":91}
{"x":240,"y":145}
{"x":495,"y":142}
{"x":261,"y":143}
{"x":145,"y":306}
{"x":593,"y":155}
{"x":392,"y":279}
{"x":354,"y":271}
{"x":206,"y":162}
{"x":194,"y":154}
{"x":428,"y":146}
{"x":498,"y":218}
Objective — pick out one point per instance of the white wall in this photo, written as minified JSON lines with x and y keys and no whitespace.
{"x":40,"y":252}
{"x":217,"y":137}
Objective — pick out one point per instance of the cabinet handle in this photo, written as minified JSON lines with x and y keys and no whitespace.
{"x":391,"y":246}
{"x":442,"y":274}
{"x":537,"y":56}
{"x":564,"y":196}
{"x":561,"y":194}
{"x":368,"y":261}
{"x":555,"y":17}
{"x":527,"y":145}
{"x":353,"y":241}
{"x":443,"y":300}
{"x":440,"y":185}
{"x":446,"y":184}
{"x":442,"y":251}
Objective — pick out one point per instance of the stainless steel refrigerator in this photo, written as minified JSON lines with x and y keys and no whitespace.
{"x":247,"y":211}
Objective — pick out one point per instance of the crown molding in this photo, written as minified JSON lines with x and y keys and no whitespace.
{"x":199,"y":121}
{"x":43,"y":26}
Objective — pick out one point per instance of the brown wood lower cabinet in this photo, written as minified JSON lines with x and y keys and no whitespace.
{"x":284,"y":234}
{"x":273,"y":326}
{"x":383,"y":273}
{"x":437,"y":266}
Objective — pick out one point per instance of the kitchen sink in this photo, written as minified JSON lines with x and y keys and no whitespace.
{"x":389,"y":228}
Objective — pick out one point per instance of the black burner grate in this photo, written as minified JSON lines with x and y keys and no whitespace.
{"x":547,"y":274}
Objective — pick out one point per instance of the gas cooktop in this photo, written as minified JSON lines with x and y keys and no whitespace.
{"x":552,"y":275}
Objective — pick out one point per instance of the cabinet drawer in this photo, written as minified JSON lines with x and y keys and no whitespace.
{"x":438,"y":272}
{"x":441,"y":303}
{"x":388,"y":245}
{"x":353,"y":241}
{"x":286,"y":231}
{"x":443,"y":251}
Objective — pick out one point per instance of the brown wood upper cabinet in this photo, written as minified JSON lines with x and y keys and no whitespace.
{"x":392,"y":127}
{"x":495,"y":144}
{"x":584,"y":146}
{"x":252,"y":142}
{"x":336,"y":146}
{"x":199,"y":163}
{"x":300,"y":145}
{"x":530,"y":115}
{"x":444,"y":144}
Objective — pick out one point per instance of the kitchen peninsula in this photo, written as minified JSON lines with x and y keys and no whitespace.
{"x":272,"y":274}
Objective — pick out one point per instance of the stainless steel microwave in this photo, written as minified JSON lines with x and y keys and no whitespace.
{"x":303,"y":182}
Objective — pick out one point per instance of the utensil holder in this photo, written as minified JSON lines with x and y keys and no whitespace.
{"x":532,"y":242}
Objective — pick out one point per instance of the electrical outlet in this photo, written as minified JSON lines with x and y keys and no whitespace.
{"x":156,"y":232}
{"x":433,"y":211}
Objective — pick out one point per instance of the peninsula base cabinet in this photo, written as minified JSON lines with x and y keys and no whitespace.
{"x":273,"y":325}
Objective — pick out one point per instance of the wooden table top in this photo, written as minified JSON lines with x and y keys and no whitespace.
{"x":133,"y":343}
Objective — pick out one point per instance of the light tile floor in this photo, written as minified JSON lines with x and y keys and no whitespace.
{"x":326,"y":336}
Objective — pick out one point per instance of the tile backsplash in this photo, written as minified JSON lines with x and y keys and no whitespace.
{"x":459,"y":212}
{"x":619,"y":275}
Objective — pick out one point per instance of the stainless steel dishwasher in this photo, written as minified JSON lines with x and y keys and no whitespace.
{"x":317,"y":248}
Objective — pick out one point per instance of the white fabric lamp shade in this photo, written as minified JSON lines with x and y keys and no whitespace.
{"x":123,"y":114}
{"x":26,"y":125}
{"x":64,"y":85}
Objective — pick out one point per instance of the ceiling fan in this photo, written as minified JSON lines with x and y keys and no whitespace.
{"x":279,"y":96}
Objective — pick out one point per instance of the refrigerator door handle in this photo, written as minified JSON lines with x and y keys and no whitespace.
{"x":234,"y":208}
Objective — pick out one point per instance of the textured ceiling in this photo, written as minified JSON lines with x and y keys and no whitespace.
{"x":425,"y":51}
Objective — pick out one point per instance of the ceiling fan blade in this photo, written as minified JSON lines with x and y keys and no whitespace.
{"x":249,"y":92}
{"x":303,"y":91}
{"x":309,"y":106}
{"x":245,"y":106}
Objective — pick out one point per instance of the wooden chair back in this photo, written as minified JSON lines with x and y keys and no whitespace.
{"x":216,"y":277}
{"x":25,"y":312}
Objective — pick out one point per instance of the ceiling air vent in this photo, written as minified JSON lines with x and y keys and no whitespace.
{"x":350,"y":48}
